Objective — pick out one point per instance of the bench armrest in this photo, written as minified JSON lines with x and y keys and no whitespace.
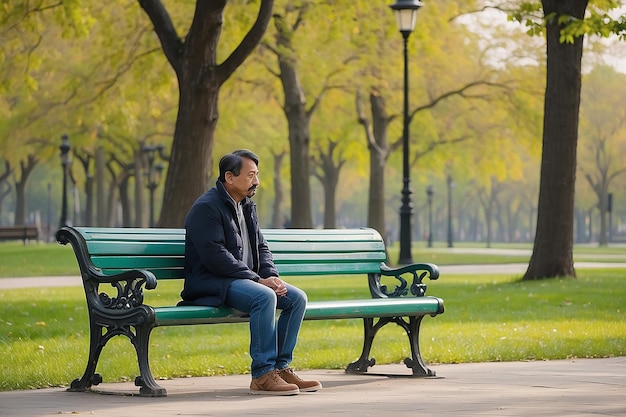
{"x":417,"y":288}
{"x":128,"y":284}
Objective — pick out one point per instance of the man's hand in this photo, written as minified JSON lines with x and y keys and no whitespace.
{"x":276,"y":284}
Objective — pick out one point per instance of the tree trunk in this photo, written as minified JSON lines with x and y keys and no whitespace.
{"x":379,"y":150}
{"x":101,"y":200}
{"x":327,"y":172}
{"x":125,"y":201}
{"x":140,"y":218}
{"x":20,"y":189}
{"x":278,"y":219}
{"x":299,"y":143}
{"x":194,"y":60}
{"x":379,"y":153}
{"x":553,"y":247}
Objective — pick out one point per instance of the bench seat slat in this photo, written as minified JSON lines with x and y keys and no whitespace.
{"x":315,"y":310}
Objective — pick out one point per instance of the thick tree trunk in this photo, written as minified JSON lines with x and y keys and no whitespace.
{"x":191,"y":161}
{"x":553,"y":248}
{"x":200,"y":77}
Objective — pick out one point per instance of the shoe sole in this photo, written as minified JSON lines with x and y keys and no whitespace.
{"x":283,"y":393}
{"x":311,"y":389}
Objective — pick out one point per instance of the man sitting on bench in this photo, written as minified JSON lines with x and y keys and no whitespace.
{"x":228,"y":262}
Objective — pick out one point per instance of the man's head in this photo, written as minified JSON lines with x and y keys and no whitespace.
{"x":239,"y":173}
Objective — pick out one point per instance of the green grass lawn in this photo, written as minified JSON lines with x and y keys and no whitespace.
{"x":488,"y":318}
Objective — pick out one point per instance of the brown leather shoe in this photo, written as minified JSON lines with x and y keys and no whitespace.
{"x":272,"y":384}
{"x":289,"y":376}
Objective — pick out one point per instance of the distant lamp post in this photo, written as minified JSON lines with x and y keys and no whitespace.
{"x":405,"y":12}
{"x":65,"y":162}
{"x":609,"y":209}
{"x":153,"y":175}
{"x":429,"y":194}
{"x":451,"y":186}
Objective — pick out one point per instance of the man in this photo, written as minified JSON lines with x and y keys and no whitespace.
{"x":228,"y":262}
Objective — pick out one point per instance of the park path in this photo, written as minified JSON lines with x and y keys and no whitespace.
{"x":513,"y":269}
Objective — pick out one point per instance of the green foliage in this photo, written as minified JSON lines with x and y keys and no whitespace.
{"x":598,"y":20}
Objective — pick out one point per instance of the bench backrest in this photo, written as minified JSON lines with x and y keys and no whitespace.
{"x":296,"y":251}
{"x":19,"y":232}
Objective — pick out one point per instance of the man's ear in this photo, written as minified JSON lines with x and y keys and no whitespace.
{"x":228,"y":176}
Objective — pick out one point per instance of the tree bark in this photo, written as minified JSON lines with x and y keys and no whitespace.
{"x":553,"y":247}
{"x":20,"y":189}
{"x":194,"y":60}
{"x":327,"y":172}
{"x":379,"y":150}
{"x":278,"y":220}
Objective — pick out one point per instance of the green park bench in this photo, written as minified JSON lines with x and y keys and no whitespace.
{"x":132,"y":260}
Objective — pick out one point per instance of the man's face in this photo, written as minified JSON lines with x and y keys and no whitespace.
{"x":246,"y":183}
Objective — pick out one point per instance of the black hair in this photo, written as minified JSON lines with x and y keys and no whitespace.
{"x":233,"y":162}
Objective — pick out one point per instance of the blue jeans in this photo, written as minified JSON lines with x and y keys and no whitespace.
{"x":271,"y":343}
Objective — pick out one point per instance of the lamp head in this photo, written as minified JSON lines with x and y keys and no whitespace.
{"x":65,"y":149}
{"x":405,"y":11}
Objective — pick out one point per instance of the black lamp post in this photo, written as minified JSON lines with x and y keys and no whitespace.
{"x":405,"y":12}
{"x":609,"y":208}
{"x":65,"y":161}
{"x":153,"y":175}
{"x":451,"y":186}
{"x":429,"y":193}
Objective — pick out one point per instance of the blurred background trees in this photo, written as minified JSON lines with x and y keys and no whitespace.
{"x":320,"y":101}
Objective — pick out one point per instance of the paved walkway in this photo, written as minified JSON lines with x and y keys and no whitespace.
{"x":580,"y":387}
{"x":512,"y":268}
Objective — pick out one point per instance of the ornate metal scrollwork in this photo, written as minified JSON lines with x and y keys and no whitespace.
{"x":128,"y":296}
{"x":400,"y":289}
{"x":417,"y":288}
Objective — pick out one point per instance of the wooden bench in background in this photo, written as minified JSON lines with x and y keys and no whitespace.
{"x":131,"y":260}
{"x":24,"y":233}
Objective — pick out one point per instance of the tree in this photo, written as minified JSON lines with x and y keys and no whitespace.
{"x":26,"y":169}
{"x":194,"y":59}
{"x":603,"y":136}
{"x":565,"y":26}
{"x":5,"y":186}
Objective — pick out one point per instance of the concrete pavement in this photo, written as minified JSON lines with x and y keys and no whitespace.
{"x":512,"y":268}
{"x":576,"y":387}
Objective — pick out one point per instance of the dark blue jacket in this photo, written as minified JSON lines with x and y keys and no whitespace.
{"x":214,"y":251}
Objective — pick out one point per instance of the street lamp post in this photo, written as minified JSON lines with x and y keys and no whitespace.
{"x":65,"y":161}
{"x":429,"y":193}
{"x":451,"y":186}
{"x":405,"y":12}
{"x":153,"y":175}
{"x":609,"y":208}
